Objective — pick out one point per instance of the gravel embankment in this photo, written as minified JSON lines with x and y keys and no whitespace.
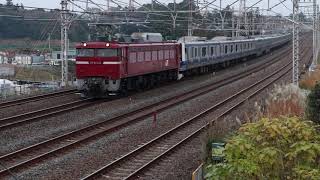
{"x":185,"y":160}
{"x":38,"y":105}
{"x":106,"y":149}
{"x":15,"y":138}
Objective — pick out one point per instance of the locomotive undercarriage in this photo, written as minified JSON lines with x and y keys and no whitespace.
{"x":149,"y":81}
{"x":99,"y":87}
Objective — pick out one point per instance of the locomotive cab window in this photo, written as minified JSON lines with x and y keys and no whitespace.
{"x":107,"y":52}
{"x":85,"y":52}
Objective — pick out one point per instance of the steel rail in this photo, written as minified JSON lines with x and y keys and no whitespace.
{"x":29,"y":117}
{"x":6,"y":104}
{"x":141,"y":154}
{"x":98,"y":130}
{"x":201,"y":129}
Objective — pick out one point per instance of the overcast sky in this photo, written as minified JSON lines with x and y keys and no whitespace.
{"x":284,"y":8}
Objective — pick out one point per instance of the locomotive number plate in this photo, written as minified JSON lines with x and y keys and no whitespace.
{"x":95,"y":62}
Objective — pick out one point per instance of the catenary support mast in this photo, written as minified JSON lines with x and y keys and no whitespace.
{"x":315,"y":34}
{"x":64,"y":43}
{"x":295,"y":39}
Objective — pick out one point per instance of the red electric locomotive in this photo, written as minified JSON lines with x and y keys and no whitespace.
{"x":112,"y":68}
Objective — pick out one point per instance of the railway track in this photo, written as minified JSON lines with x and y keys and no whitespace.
{"x":130,"y":165}
{"x":13,"y":121}
{"x":16,"y":102}
{"x":25,"y":157}
{"x":33,"y":116}
{"x":21,"y":119}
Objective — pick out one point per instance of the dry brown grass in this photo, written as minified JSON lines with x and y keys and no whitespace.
{"x":34,"y":74}
{"x":310,"y":80}
{"x":285,"y":101}
{"x":287,"y":107}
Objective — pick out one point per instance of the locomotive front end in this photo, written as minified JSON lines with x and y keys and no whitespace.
{"x":98,"y":67}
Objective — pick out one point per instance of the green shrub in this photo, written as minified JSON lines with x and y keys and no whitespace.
{"x":282,"y":148}
{"x":313,"y":104}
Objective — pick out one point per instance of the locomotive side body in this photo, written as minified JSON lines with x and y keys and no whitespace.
{"x":105,"y":69}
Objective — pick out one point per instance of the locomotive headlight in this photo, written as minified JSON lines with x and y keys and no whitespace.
{"x":84,"y":44}
{"x":107,"y":45}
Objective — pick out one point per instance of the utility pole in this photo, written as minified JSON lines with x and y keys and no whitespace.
{"x":190,"y":18}
{"x":108,"y":5}
{"x":9,"y":3}
{"x":222,"y":15}
{"x":318,"y":34}
{"x":87,"y":5}
{"x":49,"y":39}
{"x":64,"y":43}
{"x":174,"y":19}
{"x":315,"y":34}
{"x":295,"y":39}
{"x":232,"y":21}
{"x":242,"y":15}
{"x":131,"y":5}
{"x":152,"y":8}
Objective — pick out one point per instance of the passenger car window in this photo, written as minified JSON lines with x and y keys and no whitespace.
{"x":204,"y":52}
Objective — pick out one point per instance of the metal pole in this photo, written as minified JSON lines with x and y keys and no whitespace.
{"x":190,"y":19}
{"x":242,"y":14}
{"x":130,"y":5}
{"x":232,"y":21}
{"x":318,"y":34}
{"x":152,"y":5}
{"x":64,"y":43}
{"x":49,"y":39}
{"x":295,"y":50}
{"x":108,"y":5}
{"x":315,"y":44}
{"x":245,"y":18}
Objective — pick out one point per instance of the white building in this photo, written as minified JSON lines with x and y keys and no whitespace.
{"x":56,"y":57}
{"x":4,"y":83}
{"x":23,"y":60}
{"x":7,"y":70}
{"x":1,"y":59}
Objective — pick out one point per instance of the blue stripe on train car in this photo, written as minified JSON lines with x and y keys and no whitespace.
{"x":183,"y":65}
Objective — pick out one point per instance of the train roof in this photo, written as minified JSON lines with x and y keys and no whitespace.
{"x":121,"y":44}
{"x":223,"y":41}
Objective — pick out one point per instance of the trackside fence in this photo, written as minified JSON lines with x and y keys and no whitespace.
{"x":198,"y":173}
